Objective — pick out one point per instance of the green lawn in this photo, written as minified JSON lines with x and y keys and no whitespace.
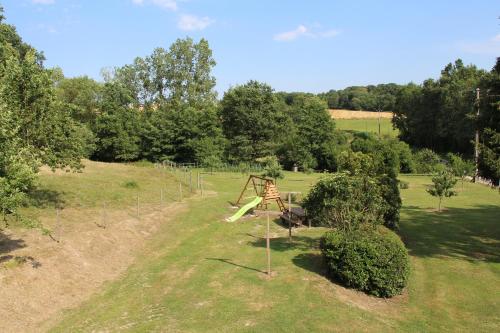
{"x":367,"y":125}
{"x":201,"y":274}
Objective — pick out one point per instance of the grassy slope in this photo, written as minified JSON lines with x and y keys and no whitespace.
{"x":200,"y":274}
{"x":101,"y":184}
{"x":367,"y":125}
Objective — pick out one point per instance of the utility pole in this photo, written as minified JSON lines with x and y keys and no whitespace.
{"x":476,"y":148}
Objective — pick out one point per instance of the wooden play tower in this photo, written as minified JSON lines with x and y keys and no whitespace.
{"x":264,"y":188}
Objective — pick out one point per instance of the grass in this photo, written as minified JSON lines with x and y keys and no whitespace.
{"x":113,"y":186}
{"x":367,"y":125}
{"x":201,"y":274}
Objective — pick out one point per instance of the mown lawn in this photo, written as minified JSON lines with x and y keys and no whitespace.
{"x":200,"y":274}
{"x":367,"y":125}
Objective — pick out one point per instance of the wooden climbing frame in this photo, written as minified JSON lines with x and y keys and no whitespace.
{"x":264,"y":188}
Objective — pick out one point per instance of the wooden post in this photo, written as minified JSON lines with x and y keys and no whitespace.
{"x":201,"y":184}
{"x":190,"y":181}
{"x":180,"y":191}
{"x":58,"y":225}
{"x":290,"y":217}
{"x":268,"y":249}
{"x":137,"y":206}
{"x":198,"y":180}
{"x":103,"y":219}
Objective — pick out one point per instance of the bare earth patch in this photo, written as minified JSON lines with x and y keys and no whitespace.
{"x":60,"y":276}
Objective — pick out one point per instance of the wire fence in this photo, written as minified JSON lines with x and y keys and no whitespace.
{"x":60,"y":217}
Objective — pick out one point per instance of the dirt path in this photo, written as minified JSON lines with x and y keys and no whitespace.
{"x":59,"y":276}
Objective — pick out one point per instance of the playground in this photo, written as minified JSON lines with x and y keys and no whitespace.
{"x":197,"y":272}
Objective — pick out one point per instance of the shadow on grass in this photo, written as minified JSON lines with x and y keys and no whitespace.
{"x":7,"y":245}
{"x":281,"y":244}
{"x":229,"y":261}
{"x":43,"y":198}
{"x":467,"y":233}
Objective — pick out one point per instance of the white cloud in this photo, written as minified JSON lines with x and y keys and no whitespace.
{"x":488,"y":47}
{"x":165,"y":4}
{"x":192,"y":22}
{"x":291,"y":35}
{"x":303,"y":31}
{"x":43,"y":2}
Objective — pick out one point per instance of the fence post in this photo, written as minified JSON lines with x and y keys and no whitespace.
{"x":201,"y":184}
{"x":190,"y":181}
{"x":58,"y":226}
{"x":180,"y":191}
{"x":137,"y":206}
{"x":290,"y":217}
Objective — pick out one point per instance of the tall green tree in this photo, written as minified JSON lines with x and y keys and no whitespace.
{"x":253,"y":121}
{"x":35,"y":128}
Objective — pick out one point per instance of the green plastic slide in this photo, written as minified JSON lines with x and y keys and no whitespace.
{"x":244,"y":209}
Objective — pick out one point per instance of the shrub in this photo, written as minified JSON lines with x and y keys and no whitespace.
{"x":392,"y":201}
{"x":427,"y":161}
{"x":345,"y":201}
{"x":130,"y":184}
{"x":371,"y":260}
{"x":404,"y":185}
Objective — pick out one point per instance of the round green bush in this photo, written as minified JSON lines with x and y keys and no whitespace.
{"x":371,"y":260}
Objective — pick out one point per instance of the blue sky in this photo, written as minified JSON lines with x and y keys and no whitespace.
{"x":292,"y":45}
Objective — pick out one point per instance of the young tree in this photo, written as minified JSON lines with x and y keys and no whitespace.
{"x":442,"y":187}
{"x":272,"y":168}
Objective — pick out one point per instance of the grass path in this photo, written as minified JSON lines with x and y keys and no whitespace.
{"x":200,"y":274}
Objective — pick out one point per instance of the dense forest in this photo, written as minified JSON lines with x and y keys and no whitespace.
{"x":165,"y":107}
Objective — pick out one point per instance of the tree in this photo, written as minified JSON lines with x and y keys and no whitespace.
{"x":272,"y":168}
{"x":35,"y":128}
{"x":442,"y":187}
{"x":311,"y":132}
{"x":81,"y":95}
{"x":178,"y":76}
{"x":253,"y":121}
{"x":118,"y":128}
{"x":460,"y":167}
{"x":438,"y":114}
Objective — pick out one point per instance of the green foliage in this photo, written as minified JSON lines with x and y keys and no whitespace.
{"x":437,"y":114}
{"x":371,"y":98}
{"x":427,"y":161}
{"x":35,"y":129}
{"x":372,"y":261}
{"x":460,"y":167}
{"x":118,"y":129}
{"x":392,"y":201}
{"x":272,"y":167}
{"x":490,"y":155}
{"x":356,"y":163}
{"x":253,"y":121}
{"x":404,"y":185}
{"x":310,"y":133}
{"x":179,"y":76}
{"x":442,"y":187}
{"x":184,"y":135}
{"x":345,"y":201}
{"x":131,"y":184}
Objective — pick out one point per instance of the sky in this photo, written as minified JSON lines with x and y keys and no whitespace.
{"x":293,"y":45}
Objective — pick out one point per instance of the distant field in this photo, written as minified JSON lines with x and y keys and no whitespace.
{"x":367,"y":125}
{"x":349,"y":114}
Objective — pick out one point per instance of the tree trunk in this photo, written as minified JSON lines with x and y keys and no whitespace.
{"x":439,"y":205}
